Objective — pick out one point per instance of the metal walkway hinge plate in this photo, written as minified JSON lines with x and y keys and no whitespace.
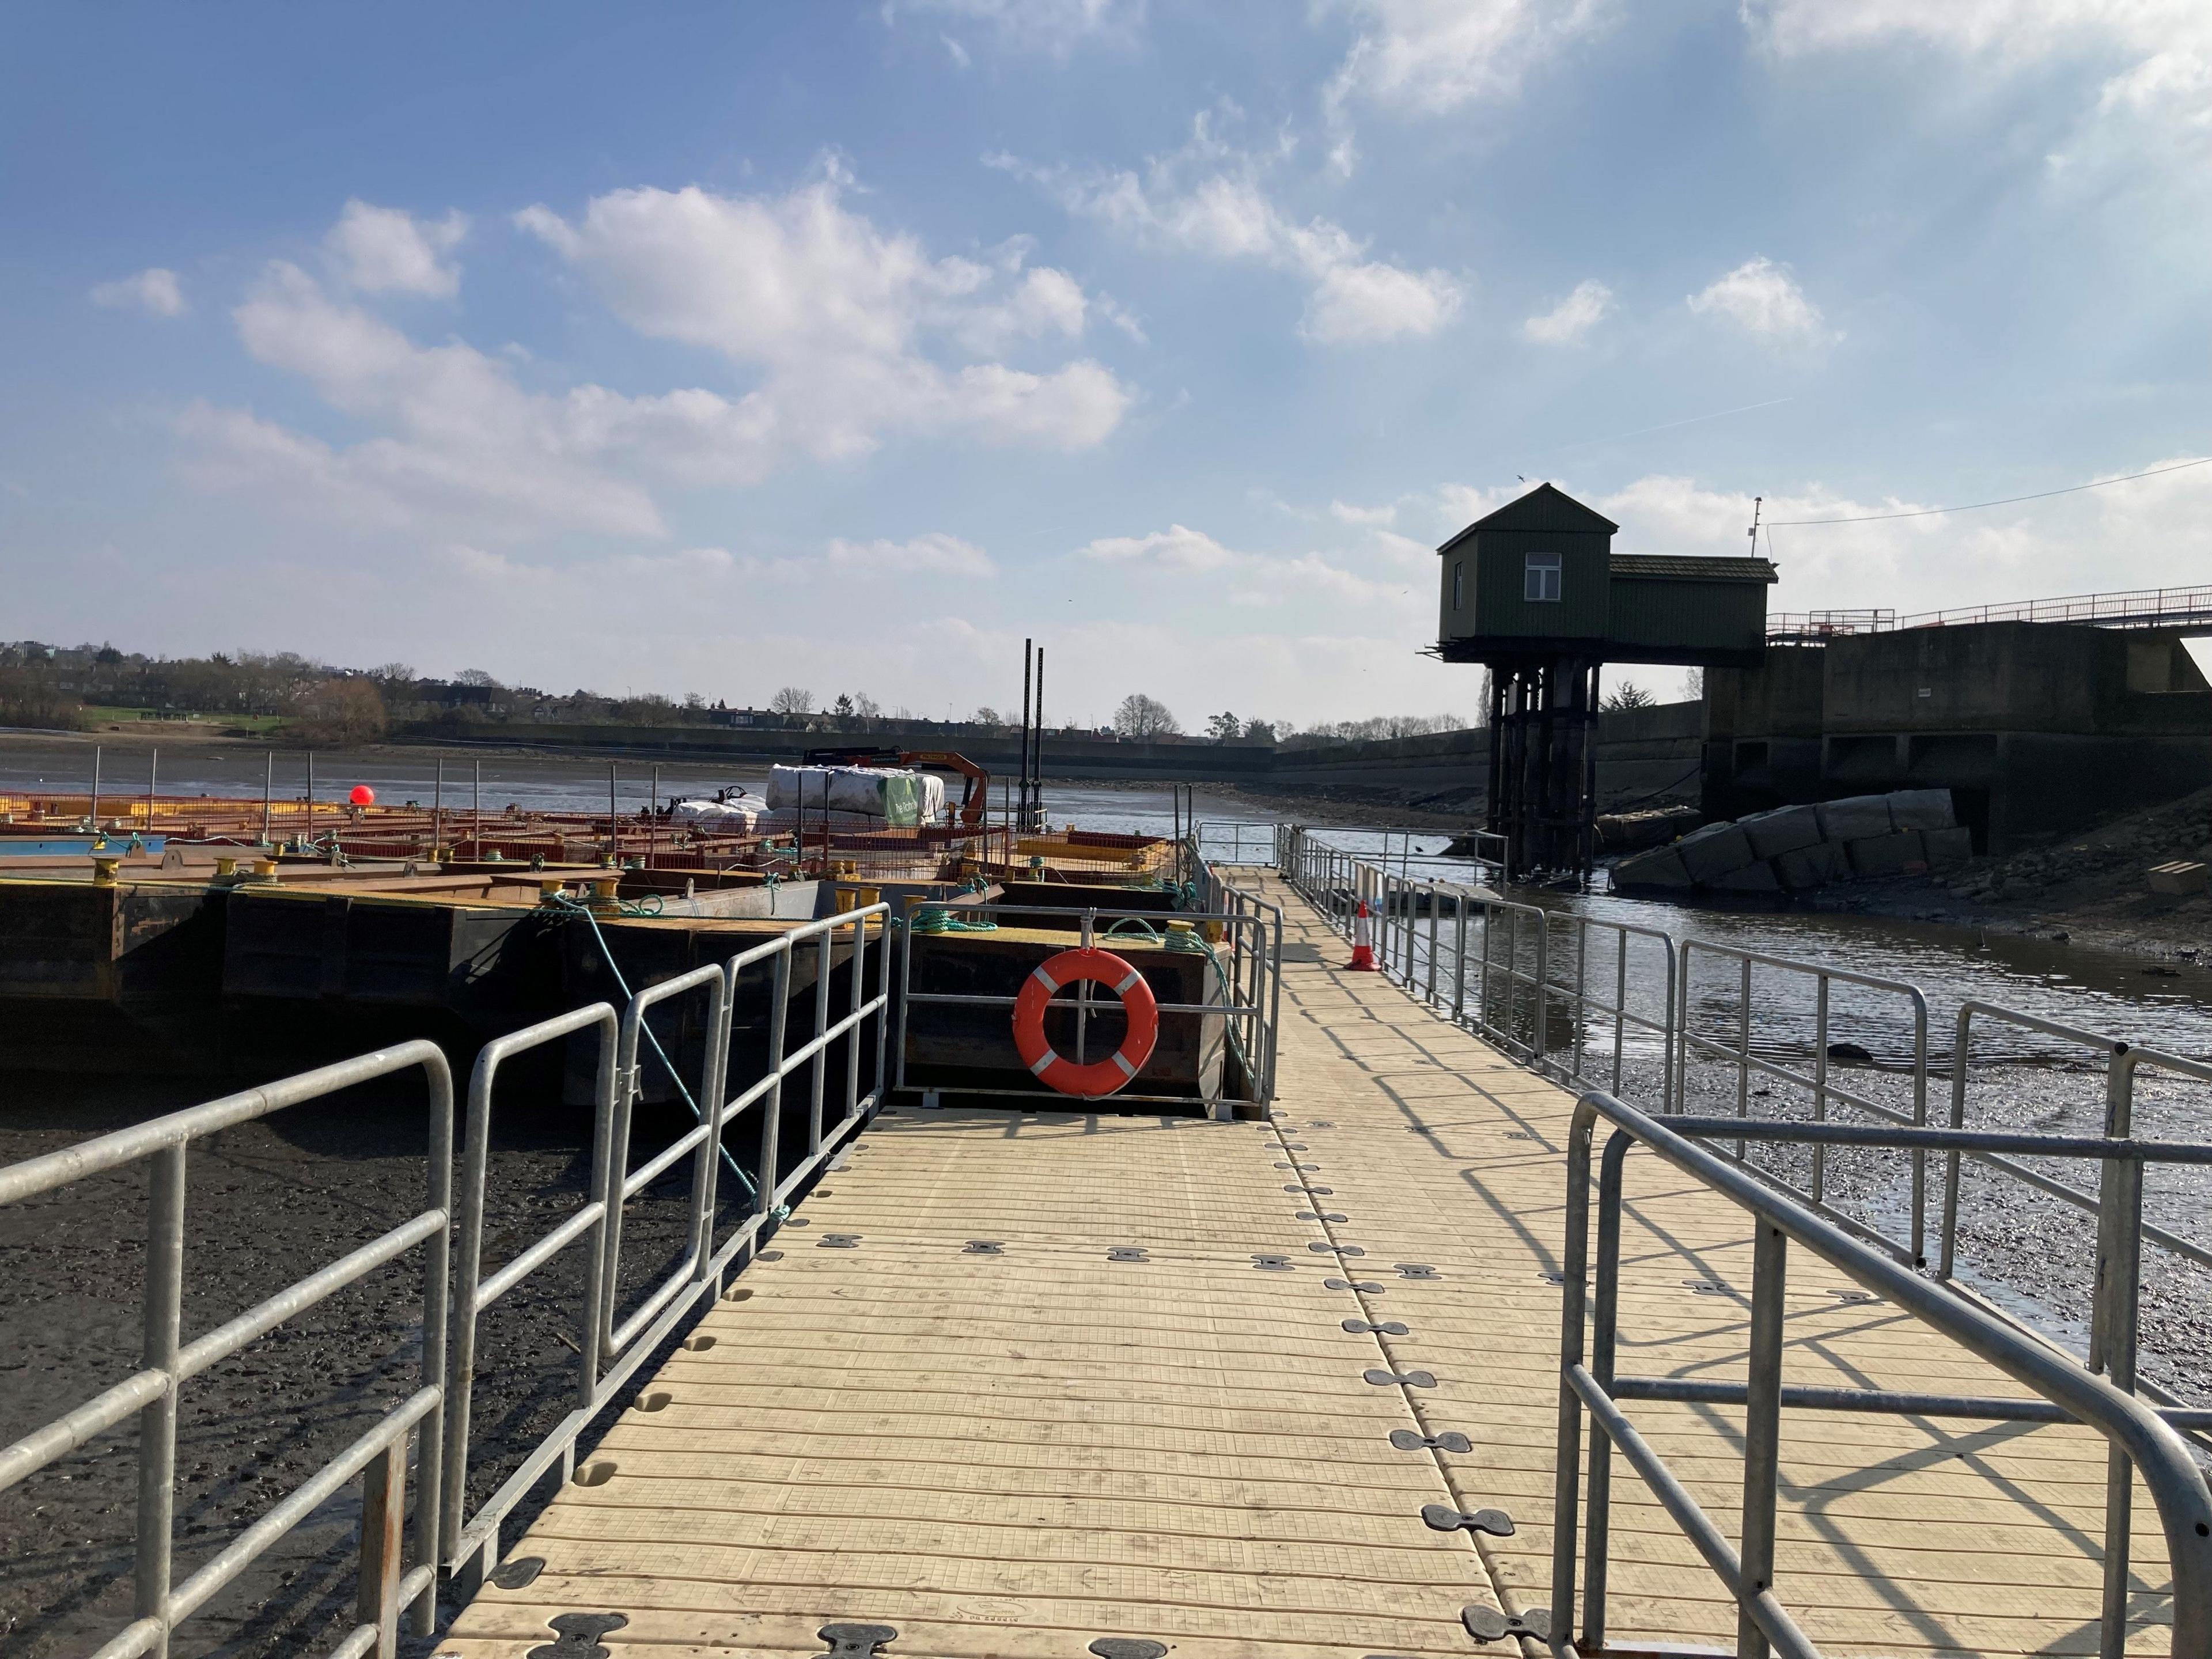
{"x":769,"y":1255}
{"x":1321,"y":1123}
{"x":1318,"y":1192}
{"x":1267,"y":1261}
{"x":1450,"y":1440}
{"x":1298,"y":1166}
{"x":838,"y":1242}
{"x":1322,"y":1249}
{"x":1296,"y":1146}
{"x":1559,"y":1278}
{"x":984,"y":1246}
{"x":1518,"y":1134}
{"x":1127,"y":1253}
{"x":1416,"y":1270}
{"x":1854,"y":1296}
{"x":856,"y":1641}
{"x":797,"y":1221}
{"x":1127,"y":1647}
{"x":580,"y":1634}
{"x":1382,"y":1378}
{"x":1320,"y":1215}
{"x":1709,"y":1287}
{"x":1488,"y":1625}
{"x":1366,"y":1284}
{"x":1388,"y":1328}
{"x":514,"y":1573}
{"x":1443,"y":1517}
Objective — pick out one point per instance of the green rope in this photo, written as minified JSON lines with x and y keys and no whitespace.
{"x":930,"y":919}
{"x":563,"y":903}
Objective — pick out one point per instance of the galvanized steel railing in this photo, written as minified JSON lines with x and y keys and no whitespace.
{"x":438,"y":1413}
{"x":2144,"y":1443}
{"x":167,"y":1363}
{"x":610,"y":1353}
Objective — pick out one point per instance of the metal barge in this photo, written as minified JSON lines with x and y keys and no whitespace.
{"x":1416,"y":1340}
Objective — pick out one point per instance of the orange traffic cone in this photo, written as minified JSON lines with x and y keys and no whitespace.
{"x":1362,"y":943}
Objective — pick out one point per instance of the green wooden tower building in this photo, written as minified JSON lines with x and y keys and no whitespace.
{"x":1536,"y":595}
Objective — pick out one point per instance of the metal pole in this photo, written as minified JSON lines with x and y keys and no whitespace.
{"x":652,"y":818}
{"x":1605,"y":1320}
{"x":2119,"y":1247}
{"x":93,"y":812}
{"x":157,"y":1423}
{"x":1762,"y":1432}
{"x":1037,"y":756}
{"x":1820,"y":1089}
{"x":1743,"y":1049}
{"x":476,"y":810}
{"x":311,"y":794}
{"x":153,"y":784}
{"x":438,"y":809}
{"x":1026,"y":647}
{"x":614,"y":824}
{"x":268,"y":790}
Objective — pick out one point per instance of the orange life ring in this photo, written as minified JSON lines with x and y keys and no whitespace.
{"x":1101,"y":1076}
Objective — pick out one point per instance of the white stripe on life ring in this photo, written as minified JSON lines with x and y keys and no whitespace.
{"x":1127,"y":1070}
{"x":1043,"y":1063}
{"x":1044,"y":979}
{"x":1122,"y":989}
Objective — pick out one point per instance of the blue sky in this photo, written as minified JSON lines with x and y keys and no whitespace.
{"x":714,"y":349}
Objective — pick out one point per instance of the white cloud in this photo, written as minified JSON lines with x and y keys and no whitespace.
{"x":1763,"y":299}
{"x":1375,"y":516}
{"x":1568,"y":321}
{"x":154,"y":291}
{"x":832,"y":314}
{"x":1433,"y":57}
{"x":1255,"y":578}
{"x":2154,"y":101}
{"x":1055,"y":27}
{"x":389,"y":251}
{"x":934,"y":554}
{"x":1209,"y":198}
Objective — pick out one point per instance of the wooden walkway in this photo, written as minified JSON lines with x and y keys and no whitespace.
{"x":1086,"y":1376}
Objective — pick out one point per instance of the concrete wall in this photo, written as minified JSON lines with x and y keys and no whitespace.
{"x":2036,"y":728}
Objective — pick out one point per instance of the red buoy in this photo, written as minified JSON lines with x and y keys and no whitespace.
{"x":362,"y":795}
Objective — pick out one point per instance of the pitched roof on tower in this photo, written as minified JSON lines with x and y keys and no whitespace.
{"x":1542,"y":509}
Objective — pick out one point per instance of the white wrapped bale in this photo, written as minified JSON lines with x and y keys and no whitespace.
{"x":720,"y":817}
{"x":1856,"y":818}
{"x":1660,"y":867}
{"x":892,"y":795}
{"x":1782,"y":829}
{"x":1922,"y":809}
{"x":1712,"y":852}
{"x":1898,"y":853}
{"x":1812,"y":866}
{"x":1751,"y":879}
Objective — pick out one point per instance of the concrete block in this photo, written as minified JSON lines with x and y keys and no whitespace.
{"x":1856,"y":818}
{"x":1751,"y":879}
{"x":1899,"y":854}
{"x":1660,"y":867}
{"x":1948,"y":849}
{"x":2182,"y":877}
{"x":1714,"y":851}
{"x":1812,"y":866}
{"x":1783,"y":829}
{"x":1922,"y":809}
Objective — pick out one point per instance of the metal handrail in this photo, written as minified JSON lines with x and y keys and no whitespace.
{"x":378,"y":1456}
{"x":1823,"y":1091}
{"x":612,"y":1356}
{"x":2143,"y":1444}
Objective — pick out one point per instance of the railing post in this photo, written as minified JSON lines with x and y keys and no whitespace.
{"x":1743,"y":1049}
{"x":1821,"y":1084}
{"x":1459,"y":902}
{"x":1543,"y":983}
{"x":1961,"y":1048}
{"x":383,"y":1516}
{"x":1574,"y":1269}
{"x":157,"y":1422}
{"x":2119,"y":1251}
{"x":1605,"y":1324}
{"x":1435,"y":904}
{"x":772,"y":1106}
{"x":1920,"y":1121}
{"x":1762,"y":1431}
{"x":1621,"y":1014}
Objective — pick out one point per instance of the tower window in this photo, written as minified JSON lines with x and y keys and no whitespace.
{"x":1459,"y":583}
{"x":1541,"y":579}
